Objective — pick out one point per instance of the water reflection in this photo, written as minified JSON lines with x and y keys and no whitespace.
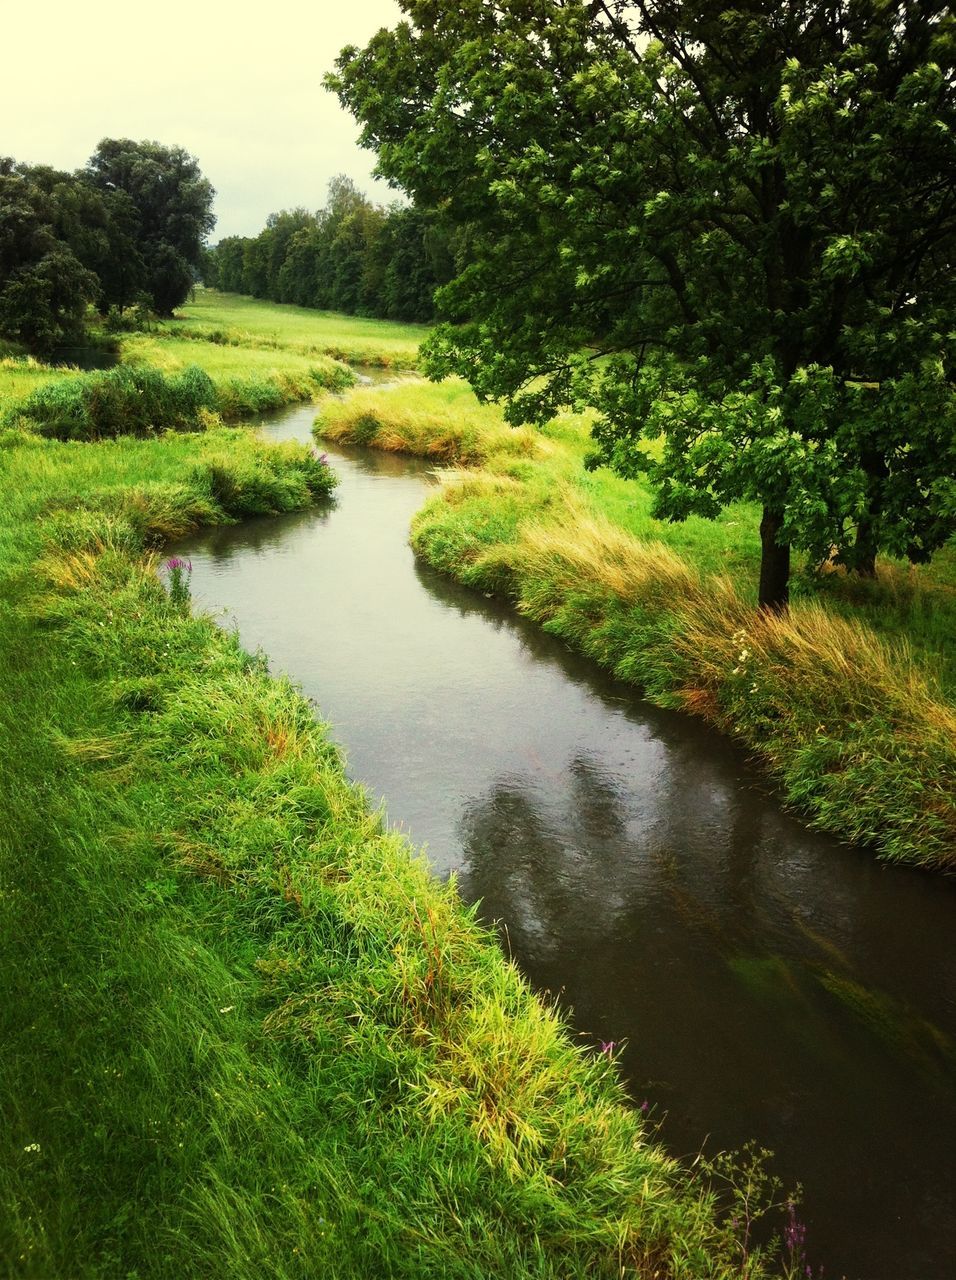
{"x":740,"y":1017}
{"x":768,"y":981}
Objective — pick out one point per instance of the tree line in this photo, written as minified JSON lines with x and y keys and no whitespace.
{"x":732,"y":227}
{"x":352,"y":256}
{"x":125,"y":230}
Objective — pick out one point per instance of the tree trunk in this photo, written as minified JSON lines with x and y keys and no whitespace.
{"x":774,"y":596}
{"x":864,"y":549}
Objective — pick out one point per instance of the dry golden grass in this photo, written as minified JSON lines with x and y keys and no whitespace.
{"x":446,"y":423}
{"x":577,"y":545}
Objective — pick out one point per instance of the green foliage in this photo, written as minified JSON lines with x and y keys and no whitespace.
{"x":128,"y":229}
{"x":170,"y":207}
{"x":352,"y":256}
{"x":140,"y":399}
{"x":44,"y":288}
{"x":127,"y":400}
{"x":751,"y":211}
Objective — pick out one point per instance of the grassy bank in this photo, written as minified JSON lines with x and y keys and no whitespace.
{"x":140,"y":399}
{"x":848,"y":701}
{"x":229,"y":319}
{"x":259,"y":356}
{"x":245,"y":1033}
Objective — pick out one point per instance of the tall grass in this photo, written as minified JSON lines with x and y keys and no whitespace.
{"x":20,"y":376}
{"x":245,"y":1033}
{"x":138,"y":399}
{"x":452,"y":428}
{"x":853,"y":725}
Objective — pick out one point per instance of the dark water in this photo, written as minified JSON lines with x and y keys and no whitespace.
{"x":83,"y":358}
{"x":769,"y":982}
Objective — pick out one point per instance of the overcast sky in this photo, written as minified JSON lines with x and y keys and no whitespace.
{"x":238,"y":84}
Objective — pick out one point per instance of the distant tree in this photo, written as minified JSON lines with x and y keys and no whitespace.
{"x":730,"y":226}
{"x":352,"y":256}
{"x":209,"y":269}
{"x":418,"y":257}
{"x":279,"y":230}
{"x":298,"y":275}
{"x":229,"y":255}
{"x":255,"y":267}
{"x":44,"y":288}
{"x":172,"y":204}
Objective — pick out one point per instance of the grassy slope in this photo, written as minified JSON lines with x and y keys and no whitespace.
{"x":245,"y":1034}
{"x":849,"y":700}
{"x":232,"y":318}
{"x":259,"y":354}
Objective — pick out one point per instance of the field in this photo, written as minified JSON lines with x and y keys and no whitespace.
{"x":260,"y":354}
{"x":229,"y":318}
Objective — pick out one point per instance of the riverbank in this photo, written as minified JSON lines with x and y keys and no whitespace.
{"x":847,"y":702}
{"x":246,"y":1034}
{"x":259,"y":357}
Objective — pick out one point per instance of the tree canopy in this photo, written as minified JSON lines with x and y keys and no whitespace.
{"x":127,"y":228}
{"x":44,"y":286}
{"x":169,"y":203}
{"x":351,"y":255}
{"x":730,"y":227}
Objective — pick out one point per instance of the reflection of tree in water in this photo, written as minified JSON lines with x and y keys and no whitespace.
{"x":551,"y":865}
{"x":587,"y":853}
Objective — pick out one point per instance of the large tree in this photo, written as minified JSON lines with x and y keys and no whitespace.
{"x":44,"y":287}
{"x":170,"y":203}
{"x":730,"y":225}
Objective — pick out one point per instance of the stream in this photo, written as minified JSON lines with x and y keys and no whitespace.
{"x":762,"y":980}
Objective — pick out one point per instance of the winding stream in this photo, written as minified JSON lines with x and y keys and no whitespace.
{"x":766,"y":982}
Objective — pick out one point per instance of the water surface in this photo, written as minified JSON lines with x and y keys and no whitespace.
{"x":765,"y":981}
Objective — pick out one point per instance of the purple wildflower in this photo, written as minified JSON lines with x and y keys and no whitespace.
{"x":607,"y":1048}
{"x":795,"y":1232}
{"x":176,"y":562}
{"x":645,"y":1107}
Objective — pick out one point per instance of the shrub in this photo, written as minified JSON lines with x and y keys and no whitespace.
{"x":128,"y":400}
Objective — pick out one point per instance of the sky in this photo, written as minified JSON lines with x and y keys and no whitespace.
{"x":238,"y":85}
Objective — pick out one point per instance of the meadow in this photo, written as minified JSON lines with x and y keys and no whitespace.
{"x":848,"y":700}
{"x":259,"y":355}
{"x":229,"y":319}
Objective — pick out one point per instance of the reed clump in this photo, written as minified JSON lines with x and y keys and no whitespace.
{"x":450,"y":429}
{"x":141,"y":400}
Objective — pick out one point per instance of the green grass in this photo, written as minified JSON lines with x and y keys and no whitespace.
{"x":245,"y":1033}
{"x":231,"y":319}
{"x":222,"y":363}
{"x":848,"y":700}
{"x":260,"y":355}
{"x":20,"y":376}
